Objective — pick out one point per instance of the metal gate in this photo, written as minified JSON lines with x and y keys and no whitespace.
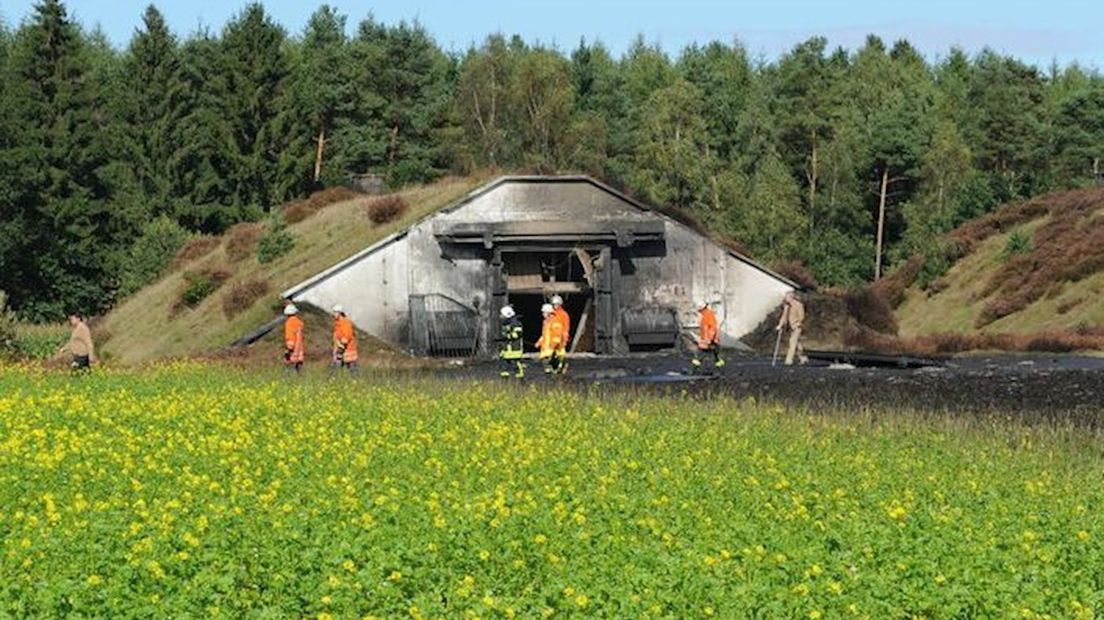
{"x":442,"y":326}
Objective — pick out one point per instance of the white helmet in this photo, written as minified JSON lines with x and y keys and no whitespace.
{"x":546,"y":309}
{"x":557,"y":300}
{"x":507,"y":312}
{"x":701,"y":303}
{"x":338,"y":308}
{"x":290,"y":309}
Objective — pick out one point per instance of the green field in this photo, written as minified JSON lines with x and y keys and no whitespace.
{"x":181,"y":491}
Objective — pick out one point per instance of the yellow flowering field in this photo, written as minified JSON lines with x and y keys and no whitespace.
{"x":184,"y":491}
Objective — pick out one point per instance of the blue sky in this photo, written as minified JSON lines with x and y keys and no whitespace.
{"x":1038,"y":32}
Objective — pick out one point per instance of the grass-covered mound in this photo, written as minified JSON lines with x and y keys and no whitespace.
{"x":1030,"y":267}
{"x":219,"y":288}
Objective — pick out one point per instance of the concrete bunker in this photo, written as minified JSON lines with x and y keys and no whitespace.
{"x":628,"y":274}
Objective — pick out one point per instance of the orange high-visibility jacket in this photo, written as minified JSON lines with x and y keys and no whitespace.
{"x":708,"y":334}
{"x":293,"y":339}
{"x":565,"y":320}
{"x":344,"y":334}
{"x":552,"y":336}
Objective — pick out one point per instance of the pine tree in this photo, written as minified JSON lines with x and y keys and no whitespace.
{"x":201,"y":166}
{"x":414,"y":86}
{"x":1079,"y":129}
{"x":808,"y":111}
{"x":1010,"y":136}
{"x":254,"y":68}
{"x":404,"y":93}
{"x":600,"y":131}
{"x":154,"y":100}
{"x":65,"y":233}
{"x":320,"y":96}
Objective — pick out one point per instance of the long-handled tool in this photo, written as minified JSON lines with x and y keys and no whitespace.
{"x":777,"y":343}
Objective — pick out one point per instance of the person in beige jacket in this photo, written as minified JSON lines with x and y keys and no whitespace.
{"x":793,"y":316}
{"x":80,"y":344}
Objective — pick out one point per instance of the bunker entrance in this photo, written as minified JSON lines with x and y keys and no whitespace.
{"x":534,"y":277}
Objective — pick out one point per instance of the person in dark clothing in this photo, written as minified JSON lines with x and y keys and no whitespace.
{"x":512,"y":346}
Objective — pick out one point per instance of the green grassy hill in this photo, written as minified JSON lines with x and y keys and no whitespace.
{"x":1033,"y":266}
{"x":151,"y":324}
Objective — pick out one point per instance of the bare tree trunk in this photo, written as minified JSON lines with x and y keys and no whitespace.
{"x":813,"y":185}
{"x":881,"y":225}
{"x":321,"y":140}
{"x":394,"y":141}
{"x":1096,"y":171}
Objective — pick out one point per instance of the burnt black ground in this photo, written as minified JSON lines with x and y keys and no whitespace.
{"x":1065,"y":389}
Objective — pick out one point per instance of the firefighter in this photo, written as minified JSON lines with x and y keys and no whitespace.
{"x":565,"y":318}
{"x":512,"y":346}
{"x":551,"y":341}
{"x":344,"y":340}
{"x":565,"y":321}
{"x":709,"y":338}
{"x":793,"y":316}
{"x":294,"y":348}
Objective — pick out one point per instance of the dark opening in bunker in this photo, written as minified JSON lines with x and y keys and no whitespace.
{"x":534,"y":277}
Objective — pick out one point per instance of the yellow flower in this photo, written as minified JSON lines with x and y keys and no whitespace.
{"x":155,"y":569}
{"x":94,"y":580}
{"x":348,"y":565}
{"x":814,"y":615}
{"x":394,"y":576}
{"x":582,"y":601}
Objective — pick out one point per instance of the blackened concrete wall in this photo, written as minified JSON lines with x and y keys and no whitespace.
{"x":375,"y":285}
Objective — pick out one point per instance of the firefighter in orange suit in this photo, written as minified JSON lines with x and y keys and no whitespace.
{"x":551,"y":342}
{"x":565,"y":321}
{"x":344,"y":340}
{"x":294,"y":348}
{"x":709,"y":338}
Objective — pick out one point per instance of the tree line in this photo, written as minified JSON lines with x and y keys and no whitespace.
{"x":846,"y":161}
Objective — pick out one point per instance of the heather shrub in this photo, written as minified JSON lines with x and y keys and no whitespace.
{"x":241,"y":240}
{"x":241,"y":296}
{"x":384,"y":209}
{"x":199,"y":284}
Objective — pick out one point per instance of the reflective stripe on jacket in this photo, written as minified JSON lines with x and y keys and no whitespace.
{"x":512,"y":346}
